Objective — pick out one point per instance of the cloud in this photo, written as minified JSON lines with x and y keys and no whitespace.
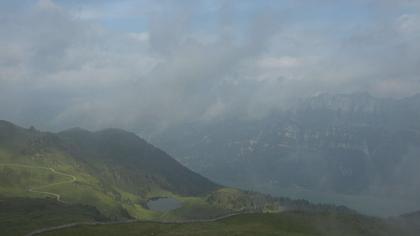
{"x":68,"y":64}
{"x":48,"y":5}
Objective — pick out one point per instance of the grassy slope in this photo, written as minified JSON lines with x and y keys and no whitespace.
{"x":87,"y":189}
{"x":16,"y":180}
{"x":115,"y":170}
{"x":22,"y":215}
{"x":288,"y":223}
{"x":133,"y":164}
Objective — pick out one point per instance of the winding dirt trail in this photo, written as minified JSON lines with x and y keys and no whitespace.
{"x":70,"y":225}
{"x":76,"y":224}
{"x":34,"y":189}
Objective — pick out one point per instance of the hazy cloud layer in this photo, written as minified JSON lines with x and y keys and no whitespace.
{"x":137,"y":64}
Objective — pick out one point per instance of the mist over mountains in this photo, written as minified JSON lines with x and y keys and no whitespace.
{"x":149,"y":64}
{"x":349,"y":148}
{"x":305,"y":114}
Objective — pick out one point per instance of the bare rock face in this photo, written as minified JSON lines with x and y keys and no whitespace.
{"x":345,"y":144}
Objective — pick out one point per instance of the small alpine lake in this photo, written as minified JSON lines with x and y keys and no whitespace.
{"x":163,"y":204}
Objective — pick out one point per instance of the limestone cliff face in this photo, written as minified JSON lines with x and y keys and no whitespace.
{"x":344,"y":143}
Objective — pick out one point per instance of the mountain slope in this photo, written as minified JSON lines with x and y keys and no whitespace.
{"x":118,"y":173}
{"x":134,"y":164}
{"x":412,"y":221}
{"x":113,"y":170}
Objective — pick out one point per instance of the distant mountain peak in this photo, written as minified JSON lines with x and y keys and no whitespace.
{"x":117,"y":132}
{"x":361,"y":101}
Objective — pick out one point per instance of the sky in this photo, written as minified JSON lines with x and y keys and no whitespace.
{"x":155,"y":63}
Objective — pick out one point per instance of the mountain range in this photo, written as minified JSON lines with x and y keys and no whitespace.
{"x":352,"y":149}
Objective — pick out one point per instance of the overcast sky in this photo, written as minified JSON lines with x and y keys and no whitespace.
{"x":135,"y":64}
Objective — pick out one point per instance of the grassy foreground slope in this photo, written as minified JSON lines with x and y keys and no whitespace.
{"x":287,"y":223}
{"x":19,"y":216}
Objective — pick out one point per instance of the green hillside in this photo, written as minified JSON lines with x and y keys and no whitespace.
{"x":122,"y":158}
{"x":113,"y":170}
{"x":23,"y":215}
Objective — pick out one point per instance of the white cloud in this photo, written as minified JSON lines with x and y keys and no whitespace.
{"x":396,"y":88}
{"x":183,"y":68}
{"x":409,"y":24}
{"x":47,"y":5}
{"x":279,"y":62}
{"x":214,"y":111}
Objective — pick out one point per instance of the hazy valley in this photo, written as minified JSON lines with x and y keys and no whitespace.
{"x":352,"y":149}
